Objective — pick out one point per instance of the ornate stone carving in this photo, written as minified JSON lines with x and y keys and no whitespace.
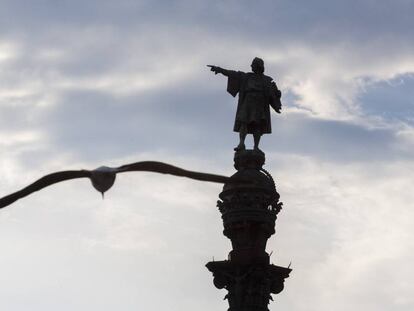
{"x":249,"y":204}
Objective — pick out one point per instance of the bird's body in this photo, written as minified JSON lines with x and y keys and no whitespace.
{"x":103,"y":178}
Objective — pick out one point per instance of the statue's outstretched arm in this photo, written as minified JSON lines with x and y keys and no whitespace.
{"x":217,"y":69}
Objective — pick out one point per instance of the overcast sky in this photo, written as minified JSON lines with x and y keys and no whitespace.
{"x":91,"y":83}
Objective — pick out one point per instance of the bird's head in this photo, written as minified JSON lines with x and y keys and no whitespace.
{"x":103,"y":178}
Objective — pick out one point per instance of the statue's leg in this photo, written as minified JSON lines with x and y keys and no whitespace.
{"x":256,"y":136}
{"x":242,"y":135}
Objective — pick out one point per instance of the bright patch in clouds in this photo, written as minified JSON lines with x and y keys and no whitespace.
{"x":10,"y":139}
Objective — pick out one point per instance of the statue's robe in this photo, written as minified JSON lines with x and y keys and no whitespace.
{"x":256,"y":93}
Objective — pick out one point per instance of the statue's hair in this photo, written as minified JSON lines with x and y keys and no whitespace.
{"x":258,"y":60}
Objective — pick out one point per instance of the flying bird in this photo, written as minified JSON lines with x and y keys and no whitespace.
{"x":104,"y":177}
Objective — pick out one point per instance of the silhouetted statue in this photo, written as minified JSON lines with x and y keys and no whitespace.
{"x":256,"y":92}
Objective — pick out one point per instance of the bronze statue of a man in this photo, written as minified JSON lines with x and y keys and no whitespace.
{"x":256,"y":93}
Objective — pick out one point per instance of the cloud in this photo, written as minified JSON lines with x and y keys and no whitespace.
{"x":357,"y":244}
{"x":326,"y":77}
{"x":329,"y":140}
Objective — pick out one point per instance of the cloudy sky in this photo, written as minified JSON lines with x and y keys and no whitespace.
{"x":91,"y":83}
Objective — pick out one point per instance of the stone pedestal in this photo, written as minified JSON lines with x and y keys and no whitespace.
{"x":249,"y":204}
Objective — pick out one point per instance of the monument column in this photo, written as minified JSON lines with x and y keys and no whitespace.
{"x":249,"y":204}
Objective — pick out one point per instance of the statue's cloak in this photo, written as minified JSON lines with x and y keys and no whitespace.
{"x":237,"y":84}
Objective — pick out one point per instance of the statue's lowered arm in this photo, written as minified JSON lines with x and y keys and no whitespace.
{"x":276,"y":94}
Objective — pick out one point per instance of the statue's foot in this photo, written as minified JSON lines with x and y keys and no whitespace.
{"x":240,"y":147}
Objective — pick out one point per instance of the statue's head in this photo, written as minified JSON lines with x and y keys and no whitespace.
{"x":257,"y":65}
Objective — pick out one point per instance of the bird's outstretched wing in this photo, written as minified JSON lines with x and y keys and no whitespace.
{"x":103,"y":177}
{"x":41,"y":183}
{"x":164,"y":168}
